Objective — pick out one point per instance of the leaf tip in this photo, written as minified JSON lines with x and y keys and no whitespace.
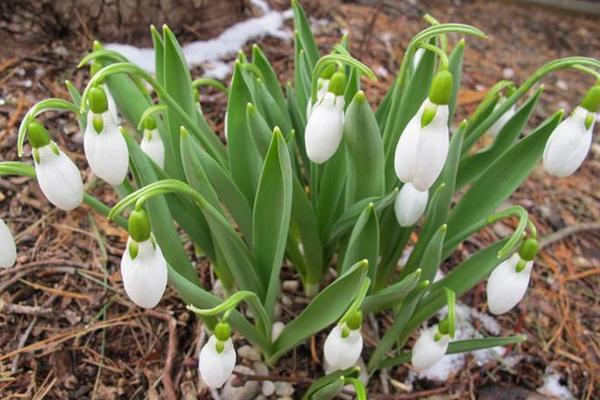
{"x":444,"y":228}
{"x":183,"y":132}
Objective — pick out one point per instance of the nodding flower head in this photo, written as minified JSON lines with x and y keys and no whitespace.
{"x":143,"y":266}
{"x":423,"y":146}
{"x":344,"y":344}
{"x":104,"y":145}
{"x":325,"y":126}
{"x":508,"y":282}
{"x":410,"y":205}
{"x":429,"y":348}
{"x":152,"y":143}
{"x":217,"y":357}
{"x":8,"y":250}
{"x":56,"y":174}
{"x":570,"y":142}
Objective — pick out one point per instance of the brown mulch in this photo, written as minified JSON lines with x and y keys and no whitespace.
{"x":67,"y":330}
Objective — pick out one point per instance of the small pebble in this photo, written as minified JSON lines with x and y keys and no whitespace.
{"x":249,"y":353}
{"x":284,"y":389}
{"x":276,"y":330}
{"x":290,"y":285}
{"x":268,"y":388}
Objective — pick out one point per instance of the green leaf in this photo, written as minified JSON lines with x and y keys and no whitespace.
{"x":270,"y":77}
{"x":352,"y":85}
{"x":471,"y":167}
{"x":392,"y":295}
{"x":364,"y":241}
{"x":329,"y":391}
{"x":302,"y":26}
{"x":328,"y":379}
{"x":461,"y":346}
{"x":330,"y":197}
{"x":259,"y":129}
{"x":455,"y":66}
{"x":364,"y":152}
{"x":271,"y":216}
{"x":276,"y":116}
{"x":393,"y":242}
{"x":159,"y":54}
{"x":326,"y":308}
{"x":243,"y":155}
{"x":498,"y":182}
{"x":432,"y":257}
{"x":302,"y":78}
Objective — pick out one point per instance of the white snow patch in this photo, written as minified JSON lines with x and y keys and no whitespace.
{"x":553,"y":388}
{"x":209,"y":53}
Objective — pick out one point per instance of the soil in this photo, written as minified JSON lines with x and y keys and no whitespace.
{"x":68,"y":331}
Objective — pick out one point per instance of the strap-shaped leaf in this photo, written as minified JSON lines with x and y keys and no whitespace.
{"x":498,"y":182}
{"x":244,"y":160}
{"x":276,"y":116}
{"x":329,"y":391}
{"x":302,"y":26}
{"x":461,"y":346}
{"x":364,"y":241}
{"x":326,"y":308}
{"x":328,"y":379}
{"x":330,"y":196}
{"x":271,"y":216}
{"x":392,"y":295}
{"x":270,"y":77}
{"x":393,"y":242}
{"x":471,"y":167}
{"x":302,"y":77}
{"x":260,"y":130}
{"x":432,"y":257}
{"x":455,"y":66}
{"x":352,"y":86}
{"x":364,"y":152}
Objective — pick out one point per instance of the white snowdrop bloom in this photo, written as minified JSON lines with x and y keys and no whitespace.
{"x":58,"y":177}
{"x":8,"y":250}
{"x":145,"y":275}
{"x":495,"y":129}
{"x":569,"y":144}
{"x":321,"y":92}
{"x":427,"y":351}
{"x":324,"y":129}
{"x":410,"y":204}
{"x":153,"y":146}
{"x":421,"y":151}
{"x":106,"y":152}
{"x":505,"y":286}
{"x":342,"y":352}
{"x":112,"y":105}
{"x":215,"y":367}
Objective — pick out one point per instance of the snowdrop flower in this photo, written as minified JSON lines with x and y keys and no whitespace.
{"x":423,"y":146}
{"x":143,"y":266}
{"x":325,"y":126}
{"x":56,"y":174}
{"x":217,"y":357}
{"x":112,"y":105}
{"x":104,"y":145}
{"x":8,"y":250}
{"x":570,"y":142}
{"x":429,"y":348}
{"x":495,"y":129}
{"x":344,"y":344}
{"x":508,"y":282}
{"x":410,"y":205}
{"x":152,"y":143}
{"x":323,"y":85}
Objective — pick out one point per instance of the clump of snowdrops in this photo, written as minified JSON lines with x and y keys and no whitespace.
{"x":311,"y":177}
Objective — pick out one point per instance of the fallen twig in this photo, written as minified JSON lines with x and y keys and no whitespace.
{"x":170,"y":392}
{"x":568,"y":231}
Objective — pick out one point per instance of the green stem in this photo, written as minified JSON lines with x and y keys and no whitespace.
{"x":334,"y":59}
{"x":209,"y":82}
{"x":150,"y":111}
{"x":443,"y":56}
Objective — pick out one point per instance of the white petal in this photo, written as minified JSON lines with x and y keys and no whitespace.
{"x":145,"y":276}
{"x":495,"y":129}
{"x":405,"y":157}
{"x":426,"y":351}
{"x":8,"y":250}
{"x":568,"y":145}
{"x":340,"y":352}
{"x":410,"y":205}
{"x":107,"y":152}
{"x":216,"y":367}
{"x":324,"y":129}
{"x":432,"y":151}
{"x":321,"y":92}
{"x":506,"y":287}
{"x":153,"y":146}
{"x":59,"y":179}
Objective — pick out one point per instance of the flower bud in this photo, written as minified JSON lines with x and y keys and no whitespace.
{"x":223,"y":331}
{"x":216,"y":361}
{"x":97,"y":100}
{"x":325,"y":126}
{"x":410,"y":205}
{"x":8,"y":250}
{"x":569,"y":144}
{"x":38,"y":135}
{"x":144,"y":272}
{"x":342,"y":347}
{"x":508,"y":283}
{"x":153,"y":146}
{"x":422,"y":150}
{"x":427,"y":350}
{"x":139,"y":225}
{"x":591,"y":101}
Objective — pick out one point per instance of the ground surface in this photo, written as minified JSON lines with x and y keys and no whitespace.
{"x":68,"y":331}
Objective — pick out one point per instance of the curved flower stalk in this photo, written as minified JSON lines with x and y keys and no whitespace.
{"x":410,"y":204}
{"x":105,"y":148}
{"x":152,"y":143}
{"x":423,"y":146}
{"x":217,"y":357}
{"x":344,"y":344}
{"x":8,"y":250}
{"x":143,"y":267}
{"x":495,"y":129}
{"x":326,"y":123}
{"x":508,"y":282}
{"x":432,"y":345}
{"x":323,"y":88}
{"x":57,"y":175}
{"x":570,"y":142}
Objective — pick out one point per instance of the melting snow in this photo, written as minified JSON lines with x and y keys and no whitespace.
{"x":209,"y":53}
{"x":553,"y":388}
